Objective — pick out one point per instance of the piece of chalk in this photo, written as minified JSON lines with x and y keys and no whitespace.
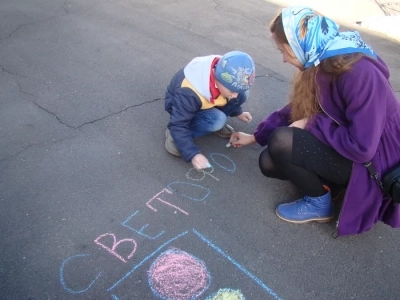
{"x":229,"y":144}
{"x":208,"y":165}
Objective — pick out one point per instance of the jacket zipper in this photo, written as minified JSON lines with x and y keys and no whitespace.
{"x":337,"y":222}
{"x":327,"y":113}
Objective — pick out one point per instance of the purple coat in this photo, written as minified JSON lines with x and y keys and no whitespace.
{"x":365,"y":106}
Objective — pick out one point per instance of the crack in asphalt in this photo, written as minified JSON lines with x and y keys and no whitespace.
{"x":35,"y":144}
{"x":118,"y":112}
{"x":11,"y":73}
{"x":42,"y":108}
{"x":73,"y":127}
{"x":66,"y":11}
{"x":216,"y":4}
{"x":89,"y":122}
{"x":58,"y":118}
{"x":22,"y":91}
{"x":53,"y":114}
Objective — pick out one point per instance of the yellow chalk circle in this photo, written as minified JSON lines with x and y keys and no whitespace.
{"x":227,"y":294}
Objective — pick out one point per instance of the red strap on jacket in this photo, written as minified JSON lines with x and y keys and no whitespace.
{"x":213,"y":89}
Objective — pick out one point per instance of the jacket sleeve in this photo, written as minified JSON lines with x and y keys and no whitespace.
{"x":277,"y":119}
{"x":185,"y":105}
{"x":237,"y":112}
{"x":363,"y":91}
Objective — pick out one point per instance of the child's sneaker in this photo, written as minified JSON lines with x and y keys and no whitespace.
{"x":170,"y":145}
{"x":307,"y":209}
{"x":225,"y":131}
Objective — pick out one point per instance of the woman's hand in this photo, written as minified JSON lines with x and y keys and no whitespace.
{"x":199,"y":161}
{"x":300,"y":123}
{"x":245,"y":117}
{"x":239,"y":139}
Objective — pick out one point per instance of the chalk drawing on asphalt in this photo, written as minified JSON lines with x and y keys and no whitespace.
{"x":178,"y":275}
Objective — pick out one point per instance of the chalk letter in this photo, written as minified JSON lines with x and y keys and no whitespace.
{"x":62,"y":276}
{"x":232,"y":169}
{"x":199,"y":189}
{"x":140,"y":231}
{"x":200,"y":171}
{"x":115,"y":245}
{"x":165,"y":202}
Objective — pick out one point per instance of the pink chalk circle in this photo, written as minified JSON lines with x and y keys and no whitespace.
{"x":178,"y":275}
{"x":227,"y":294}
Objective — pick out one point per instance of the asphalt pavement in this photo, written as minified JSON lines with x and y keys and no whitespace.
{"x":93,"y":207}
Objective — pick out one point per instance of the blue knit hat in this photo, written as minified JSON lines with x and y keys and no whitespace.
{"x":235,"y":71}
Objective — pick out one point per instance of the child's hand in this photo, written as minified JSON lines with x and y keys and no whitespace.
{"x":245,"y":117}
{"x":199,"y":161}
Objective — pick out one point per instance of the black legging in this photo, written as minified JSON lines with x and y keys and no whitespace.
{"x":296,"y":155}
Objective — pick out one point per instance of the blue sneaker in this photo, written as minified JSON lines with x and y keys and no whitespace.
{"x":307,"y":209}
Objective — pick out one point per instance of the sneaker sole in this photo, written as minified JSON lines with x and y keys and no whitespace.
{"x":319,"y":220}
{"x":227,"y":135}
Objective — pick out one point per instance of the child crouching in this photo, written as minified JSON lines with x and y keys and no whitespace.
{"x":201,"y":97}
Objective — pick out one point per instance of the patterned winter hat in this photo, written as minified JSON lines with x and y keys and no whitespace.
{"x":235,"y":71}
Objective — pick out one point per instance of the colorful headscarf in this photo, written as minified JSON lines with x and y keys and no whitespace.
{"x":313,"y":37}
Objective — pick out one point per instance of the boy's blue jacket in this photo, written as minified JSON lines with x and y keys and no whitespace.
{"x":188,"y":93}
